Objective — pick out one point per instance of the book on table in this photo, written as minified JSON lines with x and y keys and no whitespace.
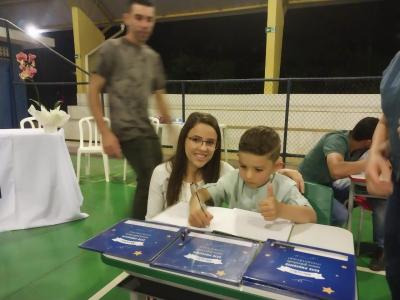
{"x":209,"y":256}
{"x":232,"y":221}
{"x":135,"y":240}
{"x":311,"y":273}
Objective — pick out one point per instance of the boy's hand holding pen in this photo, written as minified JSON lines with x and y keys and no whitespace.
{"x":198,"y":214}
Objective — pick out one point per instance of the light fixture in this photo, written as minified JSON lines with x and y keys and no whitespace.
{"x":33,"y":31}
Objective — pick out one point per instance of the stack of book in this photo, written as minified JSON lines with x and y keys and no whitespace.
{"x":279,"y":266}
{"x":135,"y":240}
{"x":302,"y":271}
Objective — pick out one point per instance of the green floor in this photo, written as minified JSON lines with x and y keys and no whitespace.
{"x":45,"y":263}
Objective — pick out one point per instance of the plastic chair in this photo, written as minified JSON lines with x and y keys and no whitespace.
{"x":364,"y":206}
{"x":321,"y":199}
{"x":31,"y":121}
{"x":156,"y":125}
{"x":90,"y":143}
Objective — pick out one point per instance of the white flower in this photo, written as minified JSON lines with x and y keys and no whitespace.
{"x":53,"y":118}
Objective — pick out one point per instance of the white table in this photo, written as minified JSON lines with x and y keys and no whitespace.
{"x":37,"y":180}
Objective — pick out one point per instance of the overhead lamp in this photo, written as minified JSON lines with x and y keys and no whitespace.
{"x":33,"y":31}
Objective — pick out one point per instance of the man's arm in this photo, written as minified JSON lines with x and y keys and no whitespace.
{"x":339,"y":168}
{"x":162,"y":105}
{"x":110,"y":142}
{"x":378,"y":168}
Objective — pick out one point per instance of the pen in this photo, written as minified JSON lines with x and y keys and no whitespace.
{"x":184,"y":234}
{"x":194,"y":192}
{"x":202,"y":205}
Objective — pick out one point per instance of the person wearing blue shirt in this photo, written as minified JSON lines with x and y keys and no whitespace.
{"x":383,"y":169}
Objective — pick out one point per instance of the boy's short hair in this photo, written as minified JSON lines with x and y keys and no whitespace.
{"x":364,"y":129}
{"x":261,"y":140}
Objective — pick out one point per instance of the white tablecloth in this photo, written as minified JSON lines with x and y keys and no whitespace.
{"x":37,"y":180}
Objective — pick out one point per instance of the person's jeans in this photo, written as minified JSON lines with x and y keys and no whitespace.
{"x":392,"y":242}
{"x":340,"y":213}
{"x":378,"y":219}
{"x":341,"y":189}
{"x":143,"y":154}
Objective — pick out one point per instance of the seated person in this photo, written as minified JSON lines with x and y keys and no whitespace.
{"x":197,"y":161}
{"x":331,"y":159}
{"x":378,"y":207}
{"x":255,"y":186}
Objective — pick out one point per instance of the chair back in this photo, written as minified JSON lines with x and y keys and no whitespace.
{"x":31,"y":121}
{"x":321,"y":199}
{"x":89,"y":136}
{"x":156,"y":123}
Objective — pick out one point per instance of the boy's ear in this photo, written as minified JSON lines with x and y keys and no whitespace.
{"x":278,"y":165}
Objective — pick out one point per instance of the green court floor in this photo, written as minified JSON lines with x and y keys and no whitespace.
{"x":46,"y":263}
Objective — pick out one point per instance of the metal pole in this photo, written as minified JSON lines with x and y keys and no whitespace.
{"x":285,"y":131}
{"x":44,"y":45}
{"x":13,"y":106}
{"x":183,"y":87}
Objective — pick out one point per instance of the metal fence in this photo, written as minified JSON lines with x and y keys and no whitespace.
{"x":302,"y":111}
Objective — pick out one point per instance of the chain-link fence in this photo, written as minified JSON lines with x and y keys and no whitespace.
{"x":302,"y":111}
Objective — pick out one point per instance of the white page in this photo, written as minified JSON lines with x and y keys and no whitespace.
{"x":237,"y":222}
{"x":250,"y":224}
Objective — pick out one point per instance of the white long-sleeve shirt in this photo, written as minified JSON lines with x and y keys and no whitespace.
{"x":157,"y":201}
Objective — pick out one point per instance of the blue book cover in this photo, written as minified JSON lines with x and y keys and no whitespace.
{"x":210,"y":256}
{"x":135,"y":240}
{"x":308,"y":271}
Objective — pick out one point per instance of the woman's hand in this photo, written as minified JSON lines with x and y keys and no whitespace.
{"x":296,"y":176}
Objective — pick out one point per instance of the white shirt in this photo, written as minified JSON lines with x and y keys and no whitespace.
{"x":157,"y":201}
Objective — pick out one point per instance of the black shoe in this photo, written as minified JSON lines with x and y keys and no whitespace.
{"x":378,"y":260}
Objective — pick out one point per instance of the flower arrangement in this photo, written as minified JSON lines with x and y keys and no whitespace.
{"x":27,"y":65}
{"x":50,"y":119}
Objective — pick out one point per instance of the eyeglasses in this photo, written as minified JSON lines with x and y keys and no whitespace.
{"x":198,"y":141}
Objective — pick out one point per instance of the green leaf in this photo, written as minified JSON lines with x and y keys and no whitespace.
{"x":57,"y":104}
{"x":36,"y":103}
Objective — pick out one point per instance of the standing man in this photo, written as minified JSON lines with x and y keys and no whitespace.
{"x":131,"y":71}
{"x":383,"y":178}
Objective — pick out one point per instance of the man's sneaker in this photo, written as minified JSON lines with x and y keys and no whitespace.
{"x":378,"y":260}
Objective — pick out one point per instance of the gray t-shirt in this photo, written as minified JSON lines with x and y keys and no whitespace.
{"x":132,"y":74}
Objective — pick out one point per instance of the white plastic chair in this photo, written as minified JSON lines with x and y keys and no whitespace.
{"x":89,"y":143}
{"x":156,"y":125}
{"x":31,"y":121}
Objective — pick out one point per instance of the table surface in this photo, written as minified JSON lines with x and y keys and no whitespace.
{"x":322,"y":236}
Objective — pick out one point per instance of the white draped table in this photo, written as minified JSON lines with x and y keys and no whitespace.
{"x":38,"y":186}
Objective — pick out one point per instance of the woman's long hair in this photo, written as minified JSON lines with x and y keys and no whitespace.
{"x":210,"y":171}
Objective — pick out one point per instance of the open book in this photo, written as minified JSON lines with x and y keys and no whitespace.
{"x":237,"y":222}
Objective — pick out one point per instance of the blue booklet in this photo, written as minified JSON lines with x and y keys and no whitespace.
{"x":210,"y":256}
{"x":312,"y":273}
{"x":135,"y":240}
